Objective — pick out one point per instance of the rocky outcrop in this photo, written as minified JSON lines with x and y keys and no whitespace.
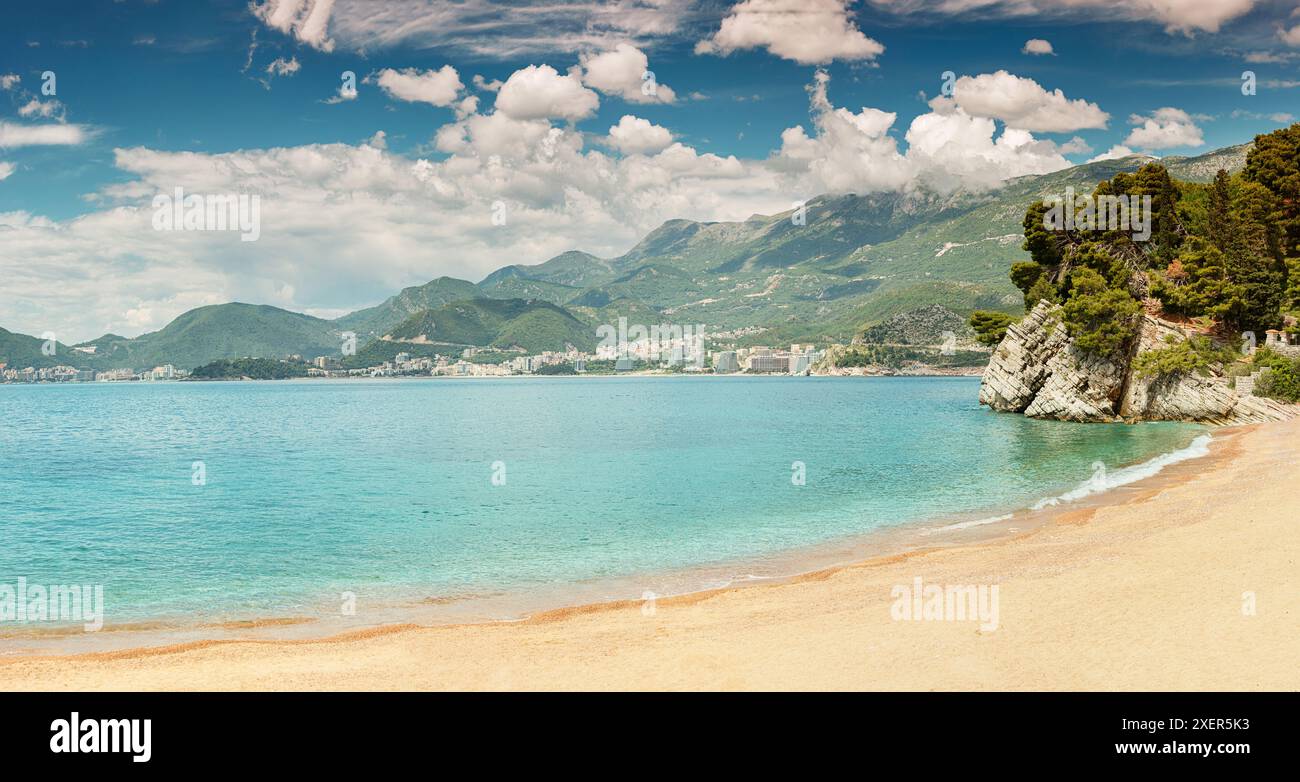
{"x":1038,"y":371}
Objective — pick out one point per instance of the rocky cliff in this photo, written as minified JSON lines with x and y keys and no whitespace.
{"x":1038,"y":371}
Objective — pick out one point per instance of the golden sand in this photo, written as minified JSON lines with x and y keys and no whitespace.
{"x":1191,"y":582}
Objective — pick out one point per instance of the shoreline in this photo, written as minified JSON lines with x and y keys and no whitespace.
{"x":1148,"y":566}
{"x":517,"y":604}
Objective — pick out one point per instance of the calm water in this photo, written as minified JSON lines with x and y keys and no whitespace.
{"x":385,"y":488}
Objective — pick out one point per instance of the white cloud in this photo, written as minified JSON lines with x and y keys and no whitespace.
{"x":1270,"y":57}
{"x":1280,"y":117}
{"x":622,"y":71}
{"x":437,"y":88}
{"x":305,"y":20}
{"x":499,"y":29}
{"x":1165,"y":128}
{"x":1114,"y":153}
{"x":282,"y":67}
{"x":1037,"y":46}
{"x":1076,"y":146}
{"x":15,"y":135}
{"x":806,"y":31}
{"x":540,"y":92}
{"x":1177,"y":16}
{"x":947,"y":149}
{"x":1290,"y":37}
{"x":6,"y":169}
{"x":481,"y":83}
{"x":953,"y":150}
{"x":8,"y":80}
{"x":633,"y":135}
{"x":45,"y":110}
{"x":1023,"y":103}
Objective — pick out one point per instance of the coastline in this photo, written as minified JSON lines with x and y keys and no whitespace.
{"x":1164,"y":562}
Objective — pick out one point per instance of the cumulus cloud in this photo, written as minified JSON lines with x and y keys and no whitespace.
{"x":305,"y":20}
{"x":1037,"y":46}
{"x":625,"y":71}
{"x":633,"y":135}
{"x":1076,"y":146}
{"x":947,"y":149}
{"x":1023,"y":103}
{"x":15,"y":135}
{"x":1290,"y":37}
{"x":541,"y":92}
{"x":806,"y":31}
{"x":9,"y":80}
{"x":1114,"y":153}
{"x":437,"y":88}
{"x":1165,"y":128}
{"x":6,"y":169}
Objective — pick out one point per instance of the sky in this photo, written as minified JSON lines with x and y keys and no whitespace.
{"x":390,"y":142}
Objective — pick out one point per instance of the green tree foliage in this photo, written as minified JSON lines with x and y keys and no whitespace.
{"x":1181,"y":357}
{"x":1043,"y":290}
{"x":252,"y":368}
{"x":1040,"y":243}
{"x":1282,"y":380}
{"x":1274,"y":163}
{"x":1166,"y":228}
{"x":1101,"y":319}
{"x":990,"y":327}
{"x":1024,"y":274}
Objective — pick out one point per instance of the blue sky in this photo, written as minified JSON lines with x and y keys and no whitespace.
{"x":152,"y":95}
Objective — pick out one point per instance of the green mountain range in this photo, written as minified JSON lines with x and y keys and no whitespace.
{"x":843,"y":264}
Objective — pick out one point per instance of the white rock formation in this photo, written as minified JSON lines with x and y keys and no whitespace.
{"x":1038,"y":371}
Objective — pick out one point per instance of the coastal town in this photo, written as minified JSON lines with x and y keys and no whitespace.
{"x":640,"y":357}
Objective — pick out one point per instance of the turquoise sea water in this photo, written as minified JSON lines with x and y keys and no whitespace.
{"x":385,"y":488}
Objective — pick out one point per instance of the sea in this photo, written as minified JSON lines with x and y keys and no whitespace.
{"x":226,"y":504}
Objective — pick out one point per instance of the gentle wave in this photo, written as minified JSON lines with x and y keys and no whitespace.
{"x":1105,"y":480}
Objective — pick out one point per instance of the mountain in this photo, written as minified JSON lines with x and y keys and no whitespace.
{"x":841,"y":263}
{"x":19,"y":351}
{"x":574,"y":268}
{"x":222,"y":331}
{"x":1202,"y":168}
{"x":532,"y":324}
{"x":376,"y":321}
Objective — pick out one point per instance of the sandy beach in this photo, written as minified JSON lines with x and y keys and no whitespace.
{"x":1188,"y":581}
